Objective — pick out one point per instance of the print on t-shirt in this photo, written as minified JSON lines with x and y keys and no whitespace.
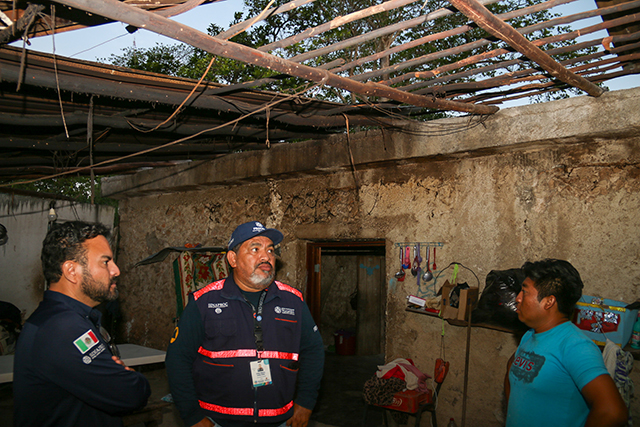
{"x":526,"y":366}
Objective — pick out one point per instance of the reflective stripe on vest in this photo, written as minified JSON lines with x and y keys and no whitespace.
{"x":226,"y":354}
{"x":245,"y":411}
{"x":214,"y":286}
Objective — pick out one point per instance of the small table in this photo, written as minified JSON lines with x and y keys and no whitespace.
{"x":132,"y":355}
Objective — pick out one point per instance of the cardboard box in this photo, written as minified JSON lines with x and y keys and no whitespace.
{"x":468,"y":300}
{"x":602,"y":318}
{"x":409,"y":400}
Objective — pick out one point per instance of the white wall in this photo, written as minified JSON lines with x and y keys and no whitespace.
{"x":25,"y":218}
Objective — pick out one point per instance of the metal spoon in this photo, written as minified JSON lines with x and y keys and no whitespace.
{"x":400,"y":274}
{"x":427,"y":276}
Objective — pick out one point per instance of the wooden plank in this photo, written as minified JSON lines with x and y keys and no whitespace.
{"x":411,"y":23}
{"x":494,"y":53}
{"x":335,"y":23}
{"x":242,"y":26}
{"x":489,"y":22}
{"x":121,"y":12}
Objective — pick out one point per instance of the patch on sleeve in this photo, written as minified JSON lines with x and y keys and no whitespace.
{"x":86,"y":341}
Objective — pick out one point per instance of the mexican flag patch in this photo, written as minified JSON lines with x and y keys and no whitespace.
{"x":86,"y":341}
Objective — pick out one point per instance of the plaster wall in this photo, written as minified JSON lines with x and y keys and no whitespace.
{"x":557,"y":180}
{"x":25,"y":217}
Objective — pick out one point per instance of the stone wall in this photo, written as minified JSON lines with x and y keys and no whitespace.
{"x":556,"y":180}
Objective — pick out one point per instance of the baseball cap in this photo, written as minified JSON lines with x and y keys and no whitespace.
{"x":251,"y":229}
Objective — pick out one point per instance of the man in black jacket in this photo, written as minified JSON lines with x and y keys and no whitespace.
{"x":65,"y":369}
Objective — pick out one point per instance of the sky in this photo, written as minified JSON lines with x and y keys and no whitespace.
{"x":100,"y":42}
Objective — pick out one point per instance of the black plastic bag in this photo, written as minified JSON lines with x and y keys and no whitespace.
{"x":497,"y":304}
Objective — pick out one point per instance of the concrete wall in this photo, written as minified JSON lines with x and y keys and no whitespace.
{"x":559,"y":180}
{"x":25,"y":217}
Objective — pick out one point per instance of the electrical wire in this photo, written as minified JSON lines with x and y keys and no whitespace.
{"x":99,"y":44}
{"x":169,"y":144}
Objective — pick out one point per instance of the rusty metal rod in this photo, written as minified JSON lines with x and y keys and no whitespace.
{"x":490,"y":23}
{"x":118,"y":11}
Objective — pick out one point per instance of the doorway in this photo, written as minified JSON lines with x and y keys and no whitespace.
{"x":346,"y":294}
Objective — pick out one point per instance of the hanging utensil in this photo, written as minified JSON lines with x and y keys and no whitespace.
{"x":434,"y":258}
{"x":400,"y":274}
{"x":419,"y":269}
{"x":406,"y":263}
{"x":417,"y":259}
{"x":427,"y":276}
{"x":415,"y":267}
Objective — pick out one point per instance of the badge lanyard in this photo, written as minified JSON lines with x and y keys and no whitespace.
{"x":257,"y":321}
{"x":260,"y":372}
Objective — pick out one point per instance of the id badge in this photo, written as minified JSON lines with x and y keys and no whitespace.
{"x":260,"y":372}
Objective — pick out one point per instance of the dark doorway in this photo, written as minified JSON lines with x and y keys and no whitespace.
{"x":346,"y":293}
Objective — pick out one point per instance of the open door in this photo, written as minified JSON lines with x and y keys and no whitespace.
{"x":346,"y":290}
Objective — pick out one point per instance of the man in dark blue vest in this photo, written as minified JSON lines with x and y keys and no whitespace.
{"x":245,"y":345}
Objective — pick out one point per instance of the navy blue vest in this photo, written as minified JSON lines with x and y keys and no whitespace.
{"x":221,"y":370}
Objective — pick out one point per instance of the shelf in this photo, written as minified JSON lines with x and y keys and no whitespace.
{"x":456,"y":322}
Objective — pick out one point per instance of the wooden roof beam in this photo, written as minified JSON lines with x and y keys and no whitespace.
{"x":483,"y":56}
{"x":335,"y":23}
{"x":400,"y":26}
{"x":118,"y":11}
{"x":242,"y":26}
{"x":490,"y":23}
{"x":500,"y":80}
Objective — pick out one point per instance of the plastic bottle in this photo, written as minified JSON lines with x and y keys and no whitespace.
{"x":635,"y":336}
{"x":452,"y":423}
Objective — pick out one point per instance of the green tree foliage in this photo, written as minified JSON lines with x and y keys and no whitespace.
{"x":186,"y":61}
{"x":76,"y":187}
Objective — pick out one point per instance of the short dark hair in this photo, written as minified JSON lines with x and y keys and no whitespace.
{"x":558,"y":278}
{"x":64,"y":242}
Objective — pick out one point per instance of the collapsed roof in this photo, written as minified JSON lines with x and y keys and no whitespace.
{"x":60,"y":114}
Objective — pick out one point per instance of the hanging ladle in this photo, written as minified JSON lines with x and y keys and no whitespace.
{"x":415,"y":269}
{"x":427,"y":276}
{"x":400,"y":274}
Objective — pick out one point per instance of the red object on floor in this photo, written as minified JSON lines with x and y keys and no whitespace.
{"x":345,"y":344}
{"x":409,"y":400}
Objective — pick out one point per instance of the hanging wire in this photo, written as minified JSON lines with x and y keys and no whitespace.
{"x":181,"y":105}
{"x":168,"y":144}
{"x":98,"y":45}
{"x":52,"y":26}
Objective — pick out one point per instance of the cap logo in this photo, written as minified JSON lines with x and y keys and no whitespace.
{"x":258,"y":228}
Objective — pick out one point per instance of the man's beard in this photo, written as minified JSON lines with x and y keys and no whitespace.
{"x":260,"y":281}
{"x":96,"y":290}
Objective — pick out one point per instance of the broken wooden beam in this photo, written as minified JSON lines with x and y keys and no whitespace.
{"x":493,"y":25}
{"x":118,"y":11}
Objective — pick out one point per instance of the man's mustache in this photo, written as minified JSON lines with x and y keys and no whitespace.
{"x":265,"y":262}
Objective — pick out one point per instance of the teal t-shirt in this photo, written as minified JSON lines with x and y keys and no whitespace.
{"x":546,"y":377}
